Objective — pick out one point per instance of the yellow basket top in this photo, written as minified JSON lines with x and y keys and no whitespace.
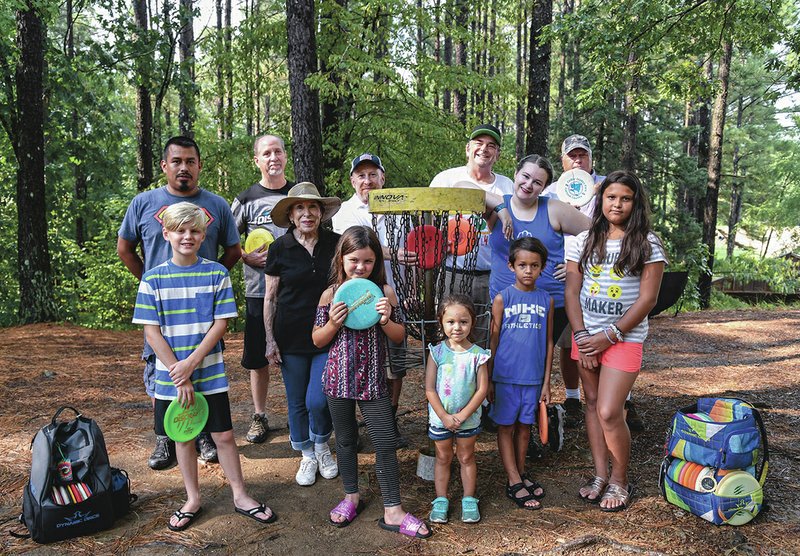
{"x":426,"y":199}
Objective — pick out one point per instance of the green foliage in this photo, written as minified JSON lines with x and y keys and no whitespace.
{"x":781,"y":275}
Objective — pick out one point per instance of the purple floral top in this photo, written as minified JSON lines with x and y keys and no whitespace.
{"x":356,"y":361}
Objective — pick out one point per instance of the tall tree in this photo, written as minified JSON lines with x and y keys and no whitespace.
{"x":78,"y":173}
{"x":301,"y":25}
{"x":715,"y":167}
{"x":461,"y":24}
{"x":187,"y":89}
{"x":36,"y":299}
{"x":522,"y":51}
{"x":144,"y":110}
{"x":737,"y":186}
{"x":631,"y":126}
{"x":538,"y":112}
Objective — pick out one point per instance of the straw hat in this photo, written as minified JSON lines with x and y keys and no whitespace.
{"x":300,"y":192}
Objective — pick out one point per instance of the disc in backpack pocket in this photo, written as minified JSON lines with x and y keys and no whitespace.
{"x":183,"y":424}
{"x":739,"y":484}
{"x":360,"y":295}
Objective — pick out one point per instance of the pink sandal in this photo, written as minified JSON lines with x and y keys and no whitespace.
{"x":409,"y":527}
{"x":348,"y":511}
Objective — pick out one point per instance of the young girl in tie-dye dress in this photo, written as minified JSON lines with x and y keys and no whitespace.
{"x":456,"y":382}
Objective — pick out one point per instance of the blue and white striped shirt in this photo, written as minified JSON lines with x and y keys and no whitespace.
{"x":184,"y":301}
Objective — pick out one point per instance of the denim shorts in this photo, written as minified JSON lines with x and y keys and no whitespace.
{"x":438,"y":433}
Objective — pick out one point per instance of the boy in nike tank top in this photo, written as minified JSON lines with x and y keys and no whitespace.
{"x":519,"y":373}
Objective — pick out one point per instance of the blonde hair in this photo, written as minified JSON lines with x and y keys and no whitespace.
{"x":181,"y":214}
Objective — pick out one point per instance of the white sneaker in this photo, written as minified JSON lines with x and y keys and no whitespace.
{"x":327,"y":466}
{"x":307,"y":474}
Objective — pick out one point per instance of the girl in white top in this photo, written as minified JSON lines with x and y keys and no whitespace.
{"x":614,"y":273}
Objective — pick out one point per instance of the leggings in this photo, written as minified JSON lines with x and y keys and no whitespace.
{"x":380,"y":426}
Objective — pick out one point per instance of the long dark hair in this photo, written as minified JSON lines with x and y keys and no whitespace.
{"x":353,"y":239}
{"x":636,"y":247}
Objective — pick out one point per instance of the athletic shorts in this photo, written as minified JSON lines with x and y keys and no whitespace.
{"x":565,"y":340}
{"x":438,"y":433}
{"x":515,"y":403}
{"x":149,"y":375}
{"x":255,"y":337}
{"x":560,"y":322}
{"x":396,"y":360}
{"x":624,"y":356}
{"x":219,"y":414}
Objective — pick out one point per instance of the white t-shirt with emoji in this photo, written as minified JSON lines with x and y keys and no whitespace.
{"x":605,"y":294}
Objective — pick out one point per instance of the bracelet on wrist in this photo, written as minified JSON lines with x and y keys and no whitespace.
{"x":617,"y":332}
{"x":610,"y":341}
{"x":499,"y":207}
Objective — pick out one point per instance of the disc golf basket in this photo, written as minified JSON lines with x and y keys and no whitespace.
{"x":440,"y":225}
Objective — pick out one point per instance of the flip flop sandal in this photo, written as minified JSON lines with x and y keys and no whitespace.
{"x":534,"y":485}
{"x":409,"y":527}
{"x":619,"y":494}
{"x":441,"y":505}
{"x":348,"y":511}
{"x":469,"y":510}
{"x":511,"y":492}
{"x":596,"y":486}
{"x":251,"y":513}
{"x":190,"y":516}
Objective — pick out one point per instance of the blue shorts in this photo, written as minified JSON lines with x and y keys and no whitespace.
{"x":515,"y":403}
{"x":438,"y":433}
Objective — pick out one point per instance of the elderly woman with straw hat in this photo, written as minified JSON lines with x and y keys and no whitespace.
{"x":296,"y":273}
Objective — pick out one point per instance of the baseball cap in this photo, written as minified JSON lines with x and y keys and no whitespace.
{"x":486,"y":129}
{"x":575,"y":142}
{"x":366,"y":157}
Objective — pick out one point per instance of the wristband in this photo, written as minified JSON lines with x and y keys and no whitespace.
{"x":616,"y":332}
{"x":499,"y":207}
{"x":610,"y":341}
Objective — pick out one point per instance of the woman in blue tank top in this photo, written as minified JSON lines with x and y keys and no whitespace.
{"x":543,"y":218}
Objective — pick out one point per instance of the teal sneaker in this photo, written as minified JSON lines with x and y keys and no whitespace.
{"x":439,"y":512}
{"x":469,"y":510}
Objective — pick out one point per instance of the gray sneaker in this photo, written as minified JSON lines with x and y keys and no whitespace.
{"x":206,"y":449}
{"x":259,"y":428}
{"x":163,"y":455}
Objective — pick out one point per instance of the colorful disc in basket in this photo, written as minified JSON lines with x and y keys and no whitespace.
{"x":544,"y":423}
{"x":257,"y":239}
{"x":575,"y":187}
{"x":427,"y":242}
{"x":182,"y":424}
{"x":461,"y":236}
{"x":360,"y":295}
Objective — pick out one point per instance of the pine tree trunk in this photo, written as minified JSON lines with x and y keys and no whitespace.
{"x":538,"y":113}
{"x":36,"y":302}
{"x":77,"y":169}
{"x":420,"y":54}
{"x":631,"y":126}
{"x":522,"y":55}
{"x":302,"y":61}
{"x":737,"y":189}
{"x":144,"y":110}
{"x":228,"y":72}
{"x":714,"y":170}
{"x":447,"y":103}
{"x":186,"y":113}
{"x":460,"y":96}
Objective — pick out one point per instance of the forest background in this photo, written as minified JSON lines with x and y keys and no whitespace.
{"x":697,"y":96}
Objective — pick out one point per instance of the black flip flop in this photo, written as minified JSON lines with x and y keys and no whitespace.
{"x":251,"y":513}
{"x":190,"y":516}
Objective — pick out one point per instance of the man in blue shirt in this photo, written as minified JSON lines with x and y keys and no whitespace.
{"x":142,"y":226}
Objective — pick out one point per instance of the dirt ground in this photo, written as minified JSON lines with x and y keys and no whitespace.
{"x":751,"y":354}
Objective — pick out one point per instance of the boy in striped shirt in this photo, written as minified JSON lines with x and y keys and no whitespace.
{"x":184,"y":305}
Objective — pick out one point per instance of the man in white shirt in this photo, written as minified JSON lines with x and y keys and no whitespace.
{"x":482,"y":150}
{"x":366,"y":174}
{"x":576,"y":152}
